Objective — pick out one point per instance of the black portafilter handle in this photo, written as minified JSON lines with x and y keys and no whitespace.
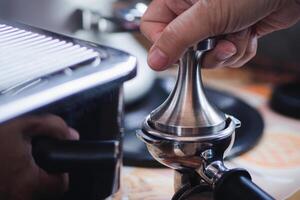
{"x":236,"y":184}
{"x":60,"y":156}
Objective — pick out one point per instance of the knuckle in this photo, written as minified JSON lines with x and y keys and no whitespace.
{"x":178,"y":6}
{"x":170,"y":31}
{"x":220,"y":22}
{"x":172,"y":37}
{"x":209,"y":23}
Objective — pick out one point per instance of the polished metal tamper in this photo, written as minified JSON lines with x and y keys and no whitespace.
{"x":187,"y":114}
{"x":191,"y":135}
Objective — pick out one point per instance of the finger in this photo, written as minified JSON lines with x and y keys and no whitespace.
{"x":52,"y":186}
{"x":222,"y":52}
{"x":204,"y":19}
{"x":49,"y":125}
{"x":152,"y":30}
{"x":47,"y":185}
{"x":250,"y":52}
{"x":240,"y":40}
{"x":283,"y":18}
{"x":181,"y":33}
{"x":179,"y":6}
{"x":155,"y":19}
{"x":159,"y":14}
{"x":74,"y":134}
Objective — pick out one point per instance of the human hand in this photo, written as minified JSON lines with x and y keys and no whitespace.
{"x":20,"y":177}
{"x":174,"y":25}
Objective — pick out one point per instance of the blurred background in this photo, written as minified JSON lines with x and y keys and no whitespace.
{"x":109,"y":21}
{"x":268,"y":85}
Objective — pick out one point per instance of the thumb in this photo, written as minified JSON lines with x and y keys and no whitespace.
{"x":185,"y":30}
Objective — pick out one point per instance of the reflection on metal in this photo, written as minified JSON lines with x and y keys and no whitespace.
{"x":27,"y":56}
{"x":187,"y":132}
{"x":52,"y":67}
{"x":126,"y":16}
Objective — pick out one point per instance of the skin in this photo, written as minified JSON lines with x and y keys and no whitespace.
{"x":174,"y":25}
{"x":21,"y":178}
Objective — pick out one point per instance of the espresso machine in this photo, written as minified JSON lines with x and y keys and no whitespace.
{"x":192,"y":136}
{"x":79,"y":82}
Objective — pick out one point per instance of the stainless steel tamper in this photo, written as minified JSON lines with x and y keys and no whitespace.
{"x":191,"y":135}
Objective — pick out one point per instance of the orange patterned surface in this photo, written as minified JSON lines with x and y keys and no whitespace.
{"x":276,"y":151}
{"x":261,"y":90}
{"x":147,"y":184}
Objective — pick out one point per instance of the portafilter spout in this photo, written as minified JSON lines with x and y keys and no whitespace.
{"x":189,"y":134}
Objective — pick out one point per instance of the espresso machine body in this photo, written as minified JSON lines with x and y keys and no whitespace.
{"x":96,"y":115}
{"x":61,"y":16}
{"x":87,"y":94}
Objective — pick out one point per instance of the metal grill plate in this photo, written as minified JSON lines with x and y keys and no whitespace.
{"x":39,"y":68}
{"x":26,"y":56}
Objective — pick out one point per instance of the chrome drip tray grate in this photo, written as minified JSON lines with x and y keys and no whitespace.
{"x":39,"y":68}
{"x":26,"y":56}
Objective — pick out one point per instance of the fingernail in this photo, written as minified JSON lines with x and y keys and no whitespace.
{"x":74,"y":134}
{"x":225,"y":55}
{"x":157,"y":59}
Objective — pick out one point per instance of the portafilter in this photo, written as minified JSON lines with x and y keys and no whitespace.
{"x":190,"y":135}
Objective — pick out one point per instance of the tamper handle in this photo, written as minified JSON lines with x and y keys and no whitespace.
{"x":206,"y":45}
{"x":187,"y":112}
{"x":236,"y":185}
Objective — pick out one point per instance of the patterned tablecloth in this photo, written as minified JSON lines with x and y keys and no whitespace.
{"x":274,"y":163}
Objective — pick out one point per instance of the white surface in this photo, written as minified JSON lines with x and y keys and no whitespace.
{"x":142,"y":83}
{"x":54,"y":15}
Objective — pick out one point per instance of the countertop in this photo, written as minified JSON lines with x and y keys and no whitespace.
{"x":274,"y":163}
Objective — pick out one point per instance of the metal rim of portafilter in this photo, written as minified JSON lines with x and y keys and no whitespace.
{"x":189,"y":134}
